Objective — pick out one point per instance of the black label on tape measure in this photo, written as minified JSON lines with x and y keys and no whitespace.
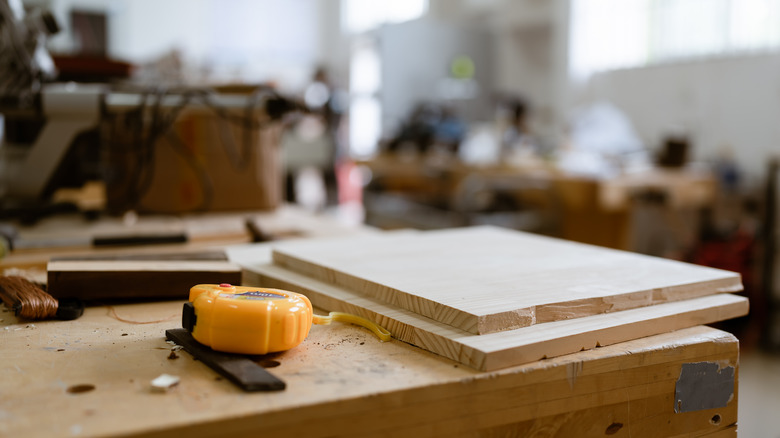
{"x":253,"y":295}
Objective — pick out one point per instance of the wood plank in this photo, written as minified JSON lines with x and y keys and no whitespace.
{"x":488,"y":279}
{"x":507,"y":348}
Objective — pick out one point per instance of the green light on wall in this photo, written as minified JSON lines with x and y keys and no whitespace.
{"x":462,"y":67}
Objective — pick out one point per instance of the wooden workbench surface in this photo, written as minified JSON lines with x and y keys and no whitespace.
{"x":91,"y":377}
{"x":70,"y":235}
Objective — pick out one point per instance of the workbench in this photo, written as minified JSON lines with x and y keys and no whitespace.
{"x":599,"y":211}
{"x":91,"y":377}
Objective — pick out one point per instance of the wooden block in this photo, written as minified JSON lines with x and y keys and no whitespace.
{"x":488,"y":279}
{"x":507,"y":348}
{"x":145,"y":277}
{"x":239,"y":369}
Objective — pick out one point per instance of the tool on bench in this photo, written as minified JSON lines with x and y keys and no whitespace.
{"x":250,"y":321}
{"x":31,"y":302}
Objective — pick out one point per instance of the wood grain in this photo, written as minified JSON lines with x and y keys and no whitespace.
{"x":115,"y":279}
{"x":488,"y":279}
{"x":507,"y":348}
{"x":341,"y":381}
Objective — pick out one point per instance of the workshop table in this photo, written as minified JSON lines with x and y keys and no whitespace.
{"x":92,"y":377}
{"x":574,"y":207}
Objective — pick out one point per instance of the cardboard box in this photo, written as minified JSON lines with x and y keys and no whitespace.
{"x":202,"y":161}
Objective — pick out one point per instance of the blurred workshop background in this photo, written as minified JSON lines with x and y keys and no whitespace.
{"x":645,"y":125}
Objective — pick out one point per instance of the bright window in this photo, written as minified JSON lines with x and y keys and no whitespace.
{"x":365,"y":126}
{"x":365,"y":77}
{"x":364,"y":70}
{"x":612,"y":34}
{"x":362,"y":15}
{"x":365,"y":110}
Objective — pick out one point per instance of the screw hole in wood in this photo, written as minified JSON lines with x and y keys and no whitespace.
{"x":80,"y":389}
{"x":613,"y":428}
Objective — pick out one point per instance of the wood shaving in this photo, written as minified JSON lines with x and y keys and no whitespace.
{"x":164,"y":382}
{"x":112,"y":312}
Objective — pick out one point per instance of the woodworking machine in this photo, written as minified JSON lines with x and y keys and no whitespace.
{"x":52,"y":134}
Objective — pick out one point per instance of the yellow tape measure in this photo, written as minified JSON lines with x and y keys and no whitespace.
{"x":252,"y":320}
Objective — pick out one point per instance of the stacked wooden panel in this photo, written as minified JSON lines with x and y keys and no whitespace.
{"x":491,"y":297}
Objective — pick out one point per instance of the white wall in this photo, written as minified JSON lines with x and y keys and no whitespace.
{"x":142,"y":30}
{"x":523,"y":65}
{"x":333,"y":45}
{"x":416,"y":57}
{"x":722,"y":103}
{"x":251,"y":40}
{"x":529,"y":52}
{"x":266,"y":39}
{"x":138,"y":30}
